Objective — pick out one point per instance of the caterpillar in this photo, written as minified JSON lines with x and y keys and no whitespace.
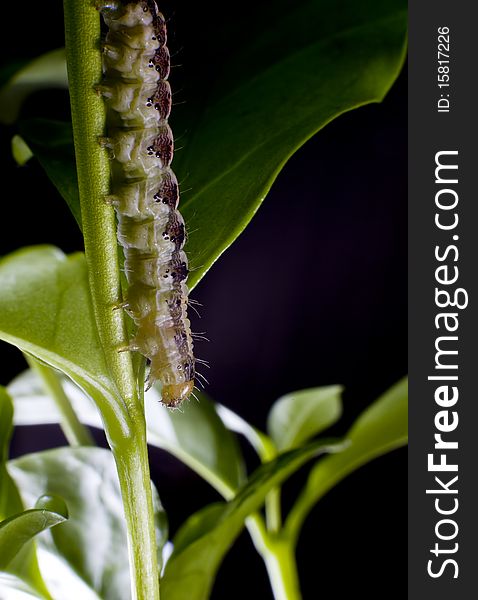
{"x":145,"y":192}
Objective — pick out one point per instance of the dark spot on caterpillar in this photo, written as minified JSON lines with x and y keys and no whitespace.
{"x":162,"y":146}
{"x":180,"y":272}
{"x":161,"y":99}
{"x":189,"y":370}
{"x":168,"y":192}
{"x":159,"y":22}
{"x":176,"y":233}
{"x":161,"y":62}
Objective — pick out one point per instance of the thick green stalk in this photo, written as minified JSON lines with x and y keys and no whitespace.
{"x":82,"y":34}
{"x":133,"y":470}
{"x":277,"y":552}
{"x":281,"y":566}
{"x":273,"y":510}
{"x":75,"y":432}
{"x":127,"y":433}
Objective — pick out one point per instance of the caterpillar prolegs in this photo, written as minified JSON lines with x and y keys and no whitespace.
{"x":145,"y":192}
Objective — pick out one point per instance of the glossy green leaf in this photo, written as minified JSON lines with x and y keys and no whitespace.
{"x":261,"y":442}
{"x":301,"y":415}
{"x":195,"y":434}
{"x":300,"y":66}
{"x":90,"y":550}
{"x":308,"y":64}
{"x":19,"y":529}
{"x":198,"y":438}
{"x":34,"y":407}
{"x":46,"y":71}
{"x":45,"y":310}
{"x":205,"y":538}
{"x":382,"y":427}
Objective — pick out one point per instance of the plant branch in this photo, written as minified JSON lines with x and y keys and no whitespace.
{"x":75,"y":432}
{"x":281,"y":566}
{"x":133,"y":471}
{"x":82,"y":35}
{"x":277,"y":552}
{"x":273,"y":510}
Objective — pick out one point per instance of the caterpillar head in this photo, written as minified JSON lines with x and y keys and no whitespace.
{"x":174,"y":394}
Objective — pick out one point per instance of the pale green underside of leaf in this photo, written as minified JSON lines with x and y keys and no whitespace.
{"x":195,"y":434}
{"x":14,"y":588}
{"x":90,"y":550}
{"x":21,"y":528}
{"x":45,"y":310}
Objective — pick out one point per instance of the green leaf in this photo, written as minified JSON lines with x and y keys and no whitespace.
{"x":267,"y":94}
{"x":202,"y":542}
{"x":198,"y":438}
{"x":195,"y":434}
{"x":46,"y":71}
{"x":20,"y":150}
{"x":34,"y":407}
{"x":278,"y":90}
{"x":298,"y":416}
{"x":382,"y":427}
{"x":19,"y":529}
{"x":45,"y":310}
{"x":261,"y":442}
{"x":91,"y":549}
{"x":10,"y":501}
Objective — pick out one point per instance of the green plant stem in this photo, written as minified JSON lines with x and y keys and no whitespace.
{"x":124,"y":424}
{"x":277,"y":552}
{"x":133,"y":470}
{"x":282,"y":569}
{"x":75,"y":432}
{"x":82,"y":36}
{"x":273,"y":510}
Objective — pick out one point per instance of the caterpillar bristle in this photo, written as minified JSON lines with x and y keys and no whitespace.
{"x":121,"y":305}
{"x":201,"y":376}
{"x":131,"y":347}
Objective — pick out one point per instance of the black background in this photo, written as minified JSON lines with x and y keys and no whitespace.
{"x":313,"y":293}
